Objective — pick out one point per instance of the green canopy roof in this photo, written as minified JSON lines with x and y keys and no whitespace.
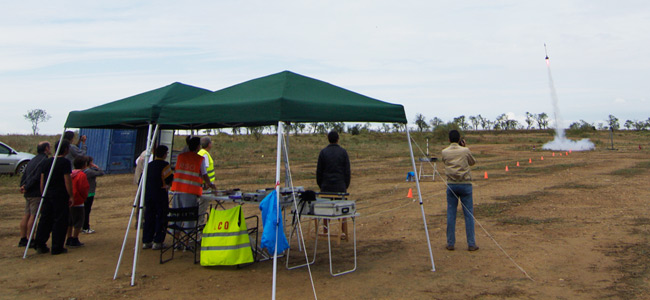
{"x":284,"y":96}
{"x":134,"y":111}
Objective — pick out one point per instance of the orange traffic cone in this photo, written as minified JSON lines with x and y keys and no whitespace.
{"x":542,"y":158}
{"x":530,"y":160}
{"x":560,"y":154}
{"x":410,"y":194}
{"x":566,"y":153}
{"x":485,"y":176}
{"x":570,"y":151}
{"x":506,"y":168}
{"x":517,"y":164}
{"x":553,"y":153}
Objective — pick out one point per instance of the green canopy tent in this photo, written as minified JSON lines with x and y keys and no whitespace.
{"x":284,"y":96}
{"x":132,"y":112}
{"x":279,"y":98}
{"x":135,"y":111}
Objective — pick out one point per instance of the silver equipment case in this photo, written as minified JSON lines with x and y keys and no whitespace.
{"x":334,"y":208}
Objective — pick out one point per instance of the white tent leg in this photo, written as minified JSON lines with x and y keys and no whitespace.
{"x":128,"y":227}
{"x":150,"y":140}
{"x":417,"y":183}
{"x":277,"y":203}
{"x":40,"y":204}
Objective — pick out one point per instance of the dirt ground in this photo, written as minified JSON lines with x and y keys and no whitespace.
{"x":577,"y":224}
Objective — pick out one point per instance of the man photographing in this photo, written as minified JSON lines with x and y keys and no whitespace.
{"x":458,"y":159}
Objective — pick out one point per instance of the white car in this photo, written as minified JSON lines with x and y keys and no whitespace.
{"x":12,"y":161}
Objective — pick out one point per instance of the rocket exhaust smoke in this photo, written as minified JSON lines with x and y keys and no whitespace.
{"x":560,"y":142}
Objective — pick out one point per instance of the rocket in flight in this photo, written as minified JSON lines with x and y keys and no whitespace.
{"x":546,"y":52}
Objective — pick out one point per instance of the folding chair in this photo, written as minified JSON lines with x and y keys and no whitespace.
{"x":183,"y":236}
{"x":252,"y":225}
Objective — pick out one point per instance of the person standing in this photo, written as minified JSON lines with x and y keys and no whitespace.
{"x":31,"y":189}
{"x":333,"y":172}
{"x":92,"y":172}
{"x":458,"y":159}
{"x":56,"y":201}
{"x":333,"y":168}
{"x":206,"y":145}
{"x":156,"y":200}
{"x":189,"y":178}
{"x":80,"y":188}
{"x":75,"y":150}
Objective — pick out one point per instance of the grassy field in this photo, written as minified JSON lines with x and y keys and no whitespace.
{"x":566,"y":220}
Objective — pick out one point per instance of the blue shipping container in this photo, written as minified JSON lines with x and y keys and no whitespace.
{"x":112,"y":149}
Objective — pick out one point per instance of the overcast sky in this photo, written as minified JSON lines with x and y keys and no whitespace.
{"x":438,"y":58}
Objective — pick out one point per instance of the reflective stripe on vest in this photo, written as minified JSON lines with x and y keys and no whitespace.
{"x":210,"y":168}
{"x":225,"y":239}
{"x":187,"y":178}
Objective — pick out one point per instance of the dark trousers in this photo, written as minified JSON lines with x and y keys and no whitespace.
{"x":54,"y":219}
{"x":155,"y":219}
{"x":88,"y":205}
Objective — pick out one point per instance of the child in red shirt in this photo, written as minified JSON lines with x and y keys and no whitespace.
{"x":80,"y":188}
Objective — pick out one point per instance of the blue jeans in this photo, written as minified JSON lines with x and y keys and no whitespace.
{"x":464,"y":192}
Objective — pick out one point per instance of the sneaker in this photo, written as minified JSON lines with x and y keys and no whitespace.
{"x":68,"y":241}
{"x":88,"y":231}
{"x":23,"y":242}
{"x":158,"y":246}
{"x":147,"y":245}
{"x":59,"y":251}
{"x":450,"y":248}
{"x":75,"y":243}
{"x":42,"y":249}
{"x":472,"y":248}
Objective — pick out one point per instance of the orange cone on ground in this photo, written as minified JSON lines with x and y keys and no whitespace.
{"x":410,"y":194}
{"x":553,"y":153}
{"x":530,"y":160}
{"x":506,"y":168}
{"x":517,"y":164}
{"x":542,"y":158}
{"x":566,"y":153}
{"x":485,"y":176}
{"x":570,"y":151}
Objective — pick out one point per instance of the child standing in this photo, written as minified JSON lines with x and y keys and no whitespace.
{"x":156,"y":200}
{"x":92,"y":172}
{"x":80,"y":189}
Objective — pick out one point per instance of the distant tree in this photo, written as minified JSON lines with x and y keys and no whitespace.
{"x":436,"y":122}
{"x":475,"y":121}
{"x":502,"y":122}
{"x":641,"y":125}
{"x":461,"y":122}
{"x":256,"y":131}
{"x":398,"y":127}
{"x":485,"y":123}
{"x":36,"y":116}
{"x":542,"y":120}
{"x":385,"y":127}
{"x":530,"y":120}
{"x":421,"y":122}
{"x":628,"y":124}
{"x":613,"y":122}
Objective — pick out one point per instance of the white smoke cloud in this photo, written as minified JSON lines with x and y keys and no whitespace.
{"x":560,"y":142}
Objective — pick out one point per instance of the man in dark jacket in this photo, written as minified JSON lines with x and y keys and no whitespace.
{"x":333,"y":170}
{"x":31,"y":189}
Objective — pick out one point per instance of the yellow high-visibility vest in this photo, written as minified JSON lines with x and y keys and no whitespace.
{"x":210,"y":168}
{"x":225,"y":239}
